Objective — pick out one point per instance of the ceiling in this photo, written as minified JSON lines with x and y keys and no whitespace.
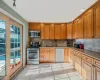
{"x":50,"y":10}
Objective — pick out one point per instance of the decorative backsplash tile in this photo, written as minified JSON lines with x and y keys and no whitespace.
{"x":50,"y":43}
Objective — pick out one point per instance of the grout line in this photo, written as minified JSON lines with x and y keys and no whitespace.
{"x":66,"y":73}
{"x":52,"y":72}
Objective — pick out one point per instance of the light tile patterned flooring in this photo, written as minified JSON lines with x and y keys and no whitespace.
{"x":57,"y":71}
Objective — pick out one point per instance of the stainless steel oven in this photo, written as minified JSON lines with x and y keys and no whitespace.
{"x":33,"y":56}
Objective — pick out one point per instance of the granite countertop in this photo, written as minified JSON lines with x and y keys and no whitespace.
{"x":93,"y":54}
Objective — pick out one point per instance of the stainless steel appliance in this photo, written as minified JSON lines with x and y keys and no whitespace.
{"x":32,"y":55}
{"x":34,"y":34}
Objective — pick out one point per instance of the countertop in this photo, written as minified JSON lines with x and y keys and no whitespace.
{"x":93,"y":54}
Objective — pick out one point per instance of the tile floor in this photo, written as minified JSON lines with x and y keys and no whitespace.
{"x":57,"y":71}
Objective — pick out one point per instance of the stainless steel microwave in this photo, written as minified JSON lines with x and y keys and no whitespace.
{"x":34,"y":34}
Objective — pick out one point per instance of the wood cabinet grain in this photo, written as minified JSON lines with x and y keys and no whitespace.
{"x":57,"y":31}
{"x":87,"y":70}
{"x":46,"y":31}
{"x":47,"y":55}
{"x":63,"y":31}
{"x":69,"y":30}
{"x":97,"y":20}
{"x":88,"y":24}
{"x":96,"y":73}
{"x":34,"y":26}
{"x":52,"y":31}
{"x":42,"y":31}
{"x":66,"y":55}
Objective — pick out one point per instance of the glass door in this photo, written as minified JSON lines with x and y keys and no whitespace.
{"x":15,"y":45}
{"x":2,"y":47}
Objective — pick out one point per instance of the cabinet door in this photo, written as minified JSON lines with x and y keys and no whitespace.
{"x":63,"y":31}
{"x":88,"y":24}
{"x":41,"y":55}
{"x":34,"y":26}
{"x":97,"y":20}
{"x":74,"y":29}
{"x":57,"y":31}
{"x":46,"y":55}
{"x":80,"y":28}
{"x":52,"y":55}
{"x":52,"y":28}
{"x":96,"y":73}
{"x":69,"y":31}
{"x":78,"y":64}
{"x":46,"y":33}
{"x":87,"y":71}
{"x":66,"y":55}
{"x":42,"y":31}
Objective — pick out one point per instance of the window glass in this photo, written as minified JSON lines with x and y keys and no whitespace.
{"x":15,"y":46}
{"x":2,"y":47}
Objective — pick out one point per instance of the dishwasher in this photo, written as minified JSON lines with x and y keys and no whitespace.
{"x":59,"y":55}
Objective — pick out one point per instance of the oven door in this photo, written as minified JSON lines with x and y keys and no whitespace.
{"x":33,"y":55}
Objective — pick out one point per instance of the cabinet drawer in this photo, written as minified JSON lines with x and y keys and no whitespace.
{"x":87,"y":59}
{"x":79,"y":54}
{"x":97,"y":63}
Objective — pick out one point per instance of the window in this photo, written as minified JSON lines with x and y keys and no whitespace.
{"x":14,"y":46}
{"x":2,"y":47}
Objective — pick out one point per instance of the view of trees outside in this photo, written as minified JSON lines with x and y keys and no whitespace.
{"x":2,"y":47}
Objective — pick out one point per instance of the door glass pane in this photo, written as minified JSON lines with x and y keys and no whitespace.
{"x":2,"y":47}
{"x":15,"y":46}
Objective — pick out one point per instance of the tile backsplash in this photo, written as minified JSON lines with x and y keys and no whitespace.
{"x":90,"y":44}
{"x":50,"y":43}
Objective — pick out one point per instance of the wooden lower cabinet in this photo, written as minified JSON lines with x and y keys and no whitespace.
{"x":87,"y":70}
{"x":78,"y":63}
{"x":47,"y":55}
{"x":66,"y":55}
{"x":96,"y":73}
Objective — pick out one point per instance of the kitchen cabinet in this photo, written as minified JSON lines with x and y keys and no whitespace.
{"x":75,"y":33}
{"x":88,"y":24}
{"x":52,"y":31}
{"x":79,"y":28}
{"x":57,"y":31}
{"x":46,"y":31}
{"x":47,"y":55}
{"x":34,"y":26}
{"x":87,"y":70}
{"x":78,"y":63}
{"x":66,"y":55}
{"x":69,"y":30}
{"x":52,"y":55}
{"x":97,"y":20}
{"x":63,"y":31}
{"x":96,"y":73}
{"x":42,"y":31}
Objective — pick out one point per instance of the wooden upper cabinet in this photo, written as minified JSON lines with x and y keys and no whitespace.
{"x":63,"y":31}
{"x":78,"y":25}
{"x":46,"y":31}
{"x":88,"y":24}
{"x":52,"y":30}
{"x":57,"y":31}
{"x":75,"y":29}
{"x":97,"y":20}
{"x":80,"y":28}
{"x":34,"y":26}
{"x":42,"y":31}
{"x":69,"y":31}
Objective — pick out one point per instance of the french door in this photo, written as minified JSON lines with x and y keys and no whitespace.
{"x":15,"y":45}
{"x":10,"y":45}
